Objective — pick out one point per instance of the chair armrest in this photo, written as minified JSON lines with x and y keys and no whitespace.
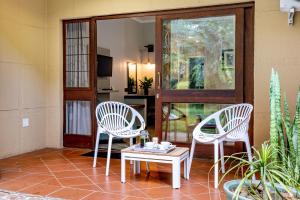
{"x":216,"y":117}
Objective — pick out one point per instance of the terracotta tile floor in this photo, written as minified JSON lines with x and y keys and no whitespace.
{"x":65,"y":174}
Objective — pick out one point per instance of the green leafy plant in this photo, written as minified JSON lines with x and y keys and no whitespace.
{"x":284,"y":130}
{"x":268,"y":172}
{"x":131,"y":83}
{"x":146,"y":84}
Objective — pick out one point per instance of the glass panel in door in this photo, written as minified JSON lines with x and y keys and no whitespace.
{"x":77,"y":55}
{"x":180,"y":119}
{"x":78,"y":118}
{"x":198,"y":53}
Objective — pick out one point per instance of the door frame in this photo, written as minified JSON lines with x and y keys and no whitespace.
{"x":243,"y":91}
{"x":84,"y":94}
{"x":248,"y":72}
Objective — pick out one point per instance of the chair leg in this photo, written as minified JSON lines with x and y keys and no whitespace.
{"x":96,"y":149}
{"x":147,"y":168}
{"x":191,"y":155}
{"x":222,"y":157}
{"x":131,"y":143}
{"x":248,"y":148}
{"x":216,"y":160}
{"x":108,"y":155}
{"x":187,"y":129}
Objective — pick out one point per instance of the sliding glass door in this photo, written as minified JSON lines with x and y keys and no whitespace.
{"x":200,"y":63}
{"x":79,"y":87}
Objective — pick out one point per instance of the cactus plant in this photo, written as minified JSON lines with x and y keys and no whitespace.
{"x":284,"y":132}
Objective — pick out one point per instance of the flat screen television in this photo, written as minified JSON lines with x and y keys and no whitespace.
{"x":104,"y":65}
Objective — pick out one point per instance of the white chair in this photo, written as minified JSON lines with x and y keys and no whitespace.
{"x":117,"y":120}
{"x":232,"y":124}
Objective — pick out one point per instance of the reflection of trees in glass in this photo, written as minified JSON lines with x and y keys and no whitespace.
{"x":196,"y":73}
{"x":201,"y":37}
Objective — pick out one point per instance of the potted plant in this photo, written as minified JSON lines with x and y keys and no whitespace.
{"x":277,"y":164}
{"x":146,"y":84}
{"x":272,"y":180}
{"x":284,"y":130}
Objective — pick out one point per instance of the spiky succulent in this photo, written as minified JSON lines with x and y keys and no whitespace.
{"x":284,"y":131}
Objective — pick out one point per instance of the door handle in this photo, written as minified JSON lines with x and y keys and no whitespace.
{"x":158,"y":79}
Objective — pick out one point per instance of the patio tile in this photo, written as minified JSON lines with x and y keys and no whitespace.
{"x":52,"y":181}
{"x":75,"y":181}
{"x":61,"y":167}
{"x":106,"y":196}
{"x":92,"y":187}
{"x":165,"y":192}
{"x":41,"y":189}
{"x":102,"y":178}
{"x":67,"y":174}
{"x":64,"y":173}
{"x":116,"y":186}
{"x":94,"y":171}
{"x":70,"y":193}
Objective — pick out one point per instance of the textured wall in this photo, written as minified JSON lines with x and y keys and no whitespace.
{"x":31,"y":83}
{"x":22,"y":75}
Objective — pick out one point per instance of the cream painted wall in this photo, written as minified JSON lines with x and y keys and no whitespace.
{"x":22,"y":75}
{"x":31,"y":62}
{"x":276,"y":45}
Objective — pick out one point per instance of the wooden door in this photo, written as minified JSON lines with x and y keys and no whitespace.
{"x":79,"y":83}
{"x":200,"y":65}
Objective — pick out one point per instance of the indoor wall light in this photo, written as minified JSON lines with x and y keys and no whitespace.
{"x":150,"y":48}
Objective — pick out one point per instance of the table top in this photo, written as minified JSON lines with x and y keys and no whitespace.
{"x":177,"y":152}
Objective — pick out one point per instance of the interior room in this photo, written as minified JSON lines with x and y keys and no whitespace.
{"x":125,"y":57}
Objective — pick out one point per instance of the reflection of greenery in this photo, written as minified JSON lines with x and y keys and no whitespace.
{"x":204,"y":37}
{"x":182,"y":85}
{"x":196,"y":74}
{"x":192,"y":112}
{"x":131,"y":84}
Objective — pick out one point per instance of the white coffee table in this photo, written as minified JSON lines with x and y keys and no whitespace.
{"x":174,"y":157}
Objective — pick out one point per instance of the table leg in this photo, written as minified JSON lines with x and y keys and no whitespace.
{"x":134,"y":166}
{"x":176,"y":173}
{"x":186,"y":168}
{"x":123,"y":168}
{"x":138,"y":167}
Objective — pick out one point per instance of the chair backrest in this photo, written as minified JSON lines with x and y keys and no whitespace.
{"x":235,"y":119}
{"x":117,"y":118}
{"x":231,"y":122}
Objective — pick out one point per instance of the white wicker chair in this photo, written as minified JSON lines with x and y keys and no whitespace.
{"x":232,"y":124}
{"x":117,"y":120}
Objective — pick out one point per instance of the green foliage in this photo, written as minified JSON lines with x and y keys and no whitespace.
{"x":130,"y":81}
{"x":284,"y":131}
{"x":146,"y":83}
{"x":268,"y":171}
